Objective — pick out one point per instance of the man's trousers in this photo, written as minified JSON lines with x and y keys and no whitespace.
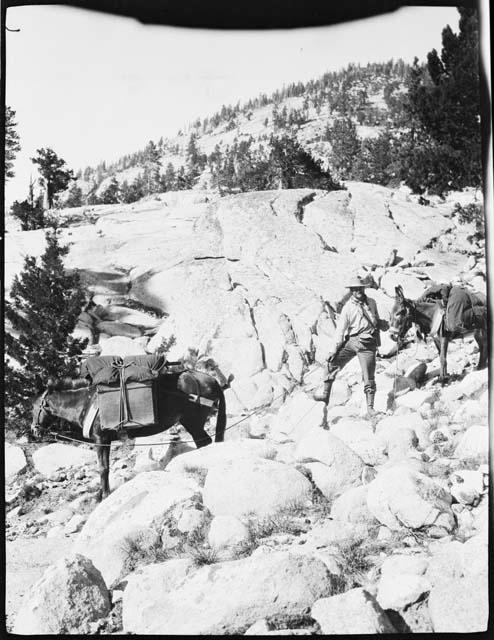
{"x":365,"y":350}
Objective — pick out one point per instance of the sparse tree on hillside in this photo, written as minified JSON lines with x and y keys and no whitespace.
{"x":168,"y":181}
{"x":195,"y":161}
{"x":345,"y":145}
{"x":30,"y":214}
{"x":74,"y":199}
{"x":12,"y":144}
{"x":91,"y":197}
{"x":378,"y":160}
{"x":45,"y":302}
{"x":55,"y":177}
{"x":182,"y":180}
{"x":110,"y":195}
{"x":137,"y":188}
{"x":152,"y":166}
{"x":292,"y":167}
{"x":125,"y":192}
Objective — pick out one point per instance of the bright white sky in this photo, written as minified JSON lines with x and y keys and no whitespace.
{"x":94,"y":87}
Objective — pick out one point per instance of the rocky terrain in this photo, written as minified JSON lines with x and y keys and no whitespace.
{"x":308,"y":519}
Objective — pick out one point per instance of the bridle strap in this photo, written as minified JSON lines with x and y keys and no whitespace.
{"x":43,"y":405}
{"x":413,"y":307}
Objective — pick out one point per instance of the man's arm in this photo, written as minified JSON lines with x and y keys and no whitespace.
{"x":341,"y":330}
{"x":380,"y":325}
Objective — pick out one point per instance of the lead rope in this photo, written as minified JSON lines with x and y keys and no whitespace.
{"x":396,"y":371}
{"x":174,"y":441}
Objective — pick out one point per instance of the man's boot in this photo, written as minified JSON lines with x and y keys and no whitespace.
{"x":325,"y":393}
{"x":370,"y":403}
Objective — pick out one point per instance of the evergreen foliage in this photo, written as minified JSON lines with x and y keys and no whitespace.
{"x":345,"y":146}
{"x":30,"y":214}
{"x":74,"y":199}
{"x":444,"y":103}
{"x":111,"y":193}
{"x":168,"y":181}
{"x":45,"y":303}
{"x":282,"y":164}
{"x":345,"y":93}
{"x":125,"y":192}
{"x":472,"y":213}
{"x":55,"y":177}
{"x":132,"y":192}
{"x":12,"y":144}
{"x":378,"y":160}
{"x":195,"y":161}
{"x":152,"y":166}
{"x":293,"y":168}
{"x":427,"y":119}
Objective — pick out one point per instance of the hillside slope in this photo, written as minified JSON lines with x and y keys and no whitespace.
{"x":371,"y":97}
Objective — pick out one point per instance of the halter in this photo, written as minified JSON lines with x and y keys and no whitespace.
{"x":43,"y":406}
{"x":413,"y":308}
{"x":411,"y":315}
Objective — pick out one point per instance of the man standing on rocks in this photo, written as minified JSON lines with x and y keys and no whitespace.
{"x":357,"y":334}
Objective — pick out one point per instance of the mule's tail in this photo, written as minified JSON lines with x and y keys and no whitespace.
{"x":221,"y":417}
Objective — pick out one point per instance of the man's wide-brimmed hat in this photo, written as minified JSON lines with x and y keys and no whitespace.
{"x":356,"y":281}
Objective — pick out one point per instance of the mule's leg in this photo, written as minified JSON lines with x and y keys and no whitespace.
{"x":103,"y":452}
{"x":481,"y":339}
{"x":443,"y":359}
{"x":442,"y":348}
{"x":194,"y":419}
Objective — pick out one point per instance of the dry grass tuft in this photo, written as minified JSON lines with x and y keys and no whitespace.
{"x":141,"y":548}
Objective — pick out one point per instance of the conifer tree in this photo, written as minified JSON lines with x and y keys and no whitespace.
{"x":195,"y":161}
{"x":30,"y":214}
{"x":292,"y":167}
{"x":137,"y":188}
{"x":12,"y":145}
{"x":125,"y":192}
{"x":379,"y":159}
{"x":110,"y":195}
{"x":55,"y":177}
{"x":168,"y":179}
{"x":74,"y":199}
{"x":45,"y":302}
{"x":183,"y":181}
{"x":444,"y":149}
{"x":345,"y":146}
{"x":152,"y":166}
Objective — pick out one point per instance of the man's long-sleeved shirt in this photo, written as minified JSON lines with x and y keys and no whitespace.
{"x":353,"y":321}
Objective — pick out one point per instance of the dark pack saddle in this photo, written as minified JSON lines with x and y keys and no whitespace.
{"x":126,"y":388}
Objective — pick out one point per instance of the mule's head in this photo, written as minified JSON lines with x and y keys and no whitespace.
{"x":402,"y":315}
{"x":41,"y":413}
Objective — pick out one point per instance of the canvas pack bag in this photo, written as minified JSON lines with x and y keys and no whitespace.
{"x":132,"y":404}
